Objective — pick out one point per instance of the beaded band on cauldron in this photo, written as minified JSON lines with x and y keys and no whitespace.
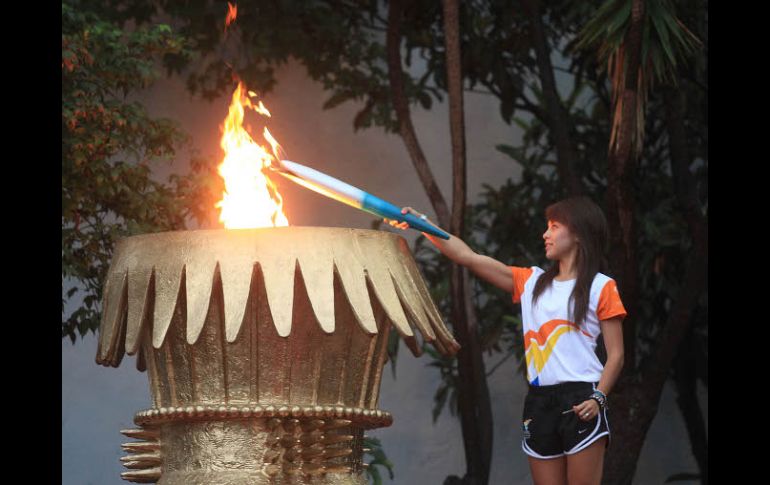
{"x":367,"y":418}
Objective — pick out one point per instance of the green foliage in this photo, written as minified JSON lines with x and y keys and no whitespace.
{"x":666,"y":41}
{"x":447,"y":390}
{"x":342,"y":46}
{"x":378,"y":460}
{"x":340,"y":43}
{"x":394,"y":339}
{"x":108,"y":146}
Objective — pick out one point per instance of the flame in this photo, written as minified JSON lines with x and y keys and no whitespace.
{"x":232,"y":12}
{"x":250,"y":198}
{"x":262,"y":110}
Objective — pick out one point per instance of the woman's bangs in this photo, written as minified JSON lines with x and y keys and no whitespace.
{"x":558,"y":212}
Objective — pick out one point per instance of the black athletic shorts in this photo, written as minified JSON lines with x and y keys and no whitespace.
{"x":550,"y":434}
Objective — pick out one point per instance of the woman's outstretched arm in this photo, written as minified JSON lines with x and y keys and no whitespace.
{"x":454,"y":248}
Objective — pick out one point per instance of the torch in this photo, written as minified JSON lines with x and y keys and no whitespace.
{"x":350,"y":195}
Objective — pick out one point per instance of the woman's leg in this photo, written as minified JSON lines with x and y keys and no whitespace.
{"x":548,"y":472}
{"x":585,"y":466}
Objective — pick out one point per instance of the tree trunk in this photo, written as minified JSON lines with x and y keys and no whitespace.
{"x":631,"y":410}
{"x":474,"y":404}
{"x":556,"y":116}
{"x":637,"y":397}
{"x":620,"y":205}
{"x":633,"y":403}
{"x":401,"y":106}
{"x":473,"y":394}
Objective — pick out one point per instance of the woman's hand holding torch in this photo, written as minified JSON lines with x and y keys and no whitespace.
{"x":454,"y":248}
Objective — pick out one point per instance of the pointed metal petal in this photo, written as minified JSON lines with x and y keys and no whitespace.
{"x":351,"y":272}
{"x":406,"y":278}
{"x":112,"y":317}
{"x":168,"y":280}
{"x":118,"y":350}
{"x":317,"y":267}
{"x":413,"y":345}
{"x":237,"y":253}
{"x":278,"y":272}
{"x":236,"y":278}
{"x":408,"y":294}
{"x":199,"y":281}
{"x":381,"y":281}
{"x":139,"y":298}
{"x":433,"y":314}
{"x":438,"y":345}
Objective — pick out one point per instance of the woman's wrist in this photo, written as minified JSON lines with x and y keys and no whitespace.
{"x":600,"y":398}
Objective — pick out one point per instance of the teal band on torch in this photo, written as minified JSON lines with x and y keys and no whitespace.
{"x":383,"y":208}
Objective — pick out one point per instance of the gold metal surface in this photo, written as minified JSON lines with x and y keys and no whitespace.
{"x":264,"y":349}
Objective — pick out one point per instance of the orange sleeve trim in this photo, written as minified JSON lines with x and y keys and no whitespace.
{"x":520,"y":276}
{"x":610,"y":305}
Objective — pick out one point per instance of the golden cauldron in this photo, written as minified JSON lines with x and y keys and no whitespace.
{"x":264,"y":349}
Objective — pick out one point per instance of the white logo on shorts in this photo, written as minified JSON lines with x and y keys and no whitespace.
{"x":582,"y":431}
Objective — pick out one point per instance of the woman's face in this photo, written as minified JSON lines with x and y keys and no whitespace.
{"x":559,"y":241}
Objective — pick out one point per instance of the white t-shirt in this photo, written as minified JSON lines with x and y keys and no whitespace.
{"x":556,"y":349}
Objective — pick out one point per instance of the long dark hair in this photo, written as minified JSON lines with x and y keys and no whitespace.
{"x":585,"y":220}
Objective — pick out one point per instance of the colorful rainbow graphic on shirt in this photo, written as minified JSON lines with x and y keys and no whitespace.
{"x":545,"y":339}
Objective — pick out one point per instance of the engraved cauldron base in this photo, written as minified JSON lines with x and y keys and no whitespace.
{"x":251,"y":445}
{"x":262,"y":451}
{"x":264,"y":349}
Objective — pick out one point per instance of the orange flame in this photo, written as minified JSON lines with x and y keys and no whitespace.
{"x":232,"y":12}
{"x":250,"y":199}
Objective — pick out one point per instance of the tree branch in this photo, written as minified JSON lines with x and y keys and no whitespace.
{"x":557,"y":118}
{"x":621,"y":168}
{"x":456,"y":114}
{"x":473,"y":398}
{"x":401,"y":106}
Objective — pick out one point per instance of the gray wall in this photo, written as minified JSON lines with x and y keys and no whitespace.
{"x":98,"y":402}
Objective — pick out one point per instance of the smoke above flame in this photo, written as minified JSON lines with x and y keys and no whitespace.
{"x":250,"y":199}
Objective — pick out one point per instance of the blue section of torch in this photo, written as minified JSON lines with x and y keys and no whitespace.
{"x":384,"y":208}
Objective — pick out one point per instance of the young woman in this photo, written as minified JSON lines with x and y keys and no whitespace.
{"x":564,"y":309}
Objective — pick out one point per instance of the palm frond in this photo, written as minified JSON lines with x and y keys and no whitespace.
{"x":666,"y":43}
